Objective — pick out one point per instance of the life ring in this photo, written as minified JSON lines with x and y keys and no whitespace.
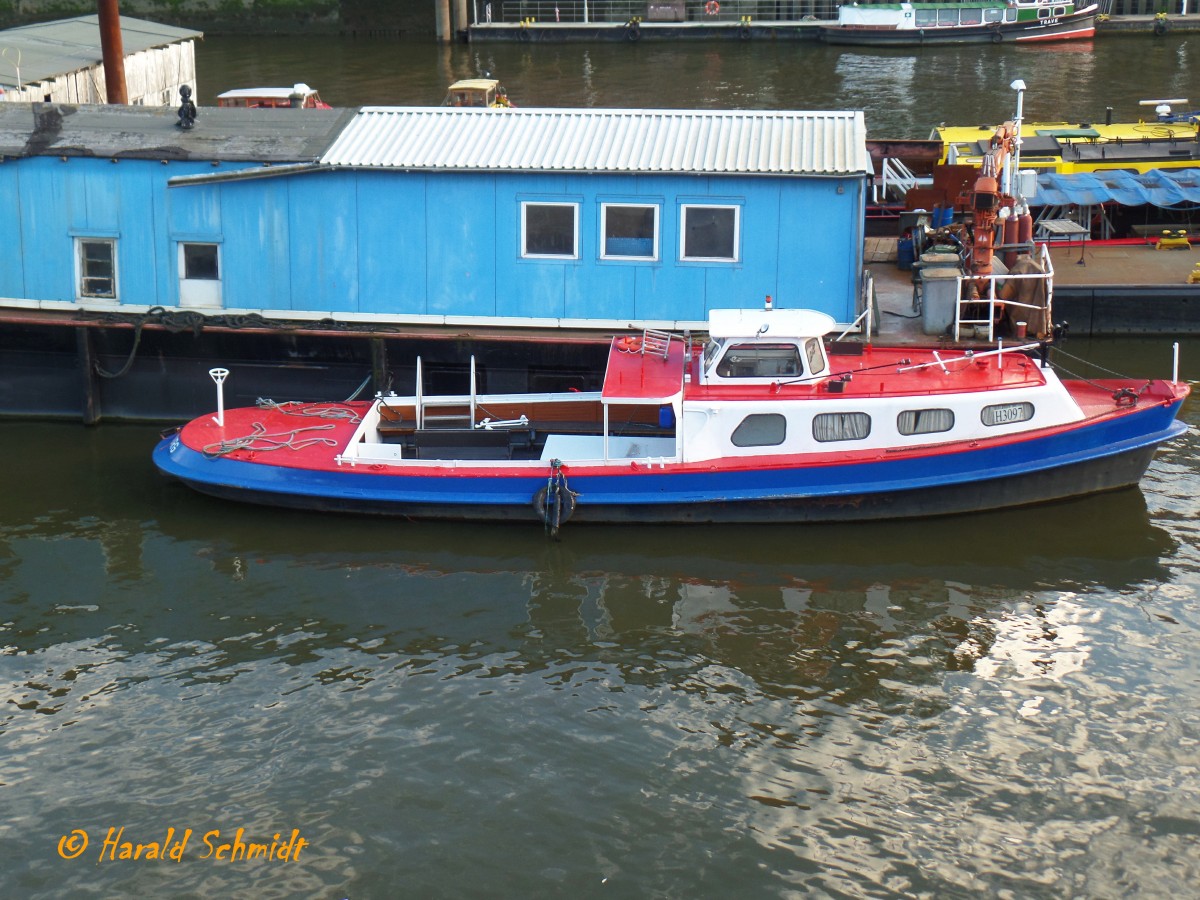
{"x":712,"y":8}
{"x":630,"y":344}
{"x":633,"y":31}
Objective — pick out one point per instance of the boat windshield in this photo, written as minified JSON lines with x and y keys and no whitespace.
{"x":711,"y":351}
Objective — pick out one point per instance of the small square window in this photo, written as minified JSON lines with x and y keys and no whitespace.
{"x":630,"y":232}
{"x":710,"y":233}
{"x":550,"y":229}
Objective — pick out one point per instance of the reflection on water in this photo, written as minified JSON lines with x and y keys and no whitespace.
{"x":981,"y":705}
{"x":904,"y":91}
{"x":972,"y":705}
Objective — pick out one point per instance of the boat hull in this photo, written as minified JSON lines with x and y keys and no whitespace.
{"x":1080,"y":26}
{"x":1099,"y":457}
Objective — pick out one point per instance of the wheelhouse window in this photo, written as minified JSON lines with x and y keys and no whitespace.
{"x":710,"y":233}
{"x":760,"y":361}
{"x":550,"y":230}
{"x":97,"y":267}
{"x":851,"y":426}
{"x":816,"y":359}
{"x":760,"y":430}
{"x":630,"y":232}
{"x":1007,"y":413}
{"x":924,"y":421}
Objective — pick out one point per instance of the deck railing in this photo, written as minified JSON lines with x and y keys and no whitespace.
{"x":990,"y":298}
{"x":578,"y":12}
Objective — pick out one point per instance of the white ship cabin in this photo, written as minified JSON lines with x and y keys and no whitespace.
{"x":748,"y":346}
{"x":765,"y":386}
{"x":298,"y":96}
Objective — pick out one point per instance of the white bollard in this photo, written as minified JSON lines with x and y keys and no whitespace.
{"x":219,"y":376}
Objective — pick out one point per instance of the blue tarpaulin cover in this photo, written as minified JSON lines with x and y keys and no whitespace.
{"x":1158,"y":187}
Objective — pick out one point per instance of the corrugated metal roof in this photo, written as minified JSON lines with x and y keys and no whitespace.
{"x":731,"y":142}
{"x":43,"y":51}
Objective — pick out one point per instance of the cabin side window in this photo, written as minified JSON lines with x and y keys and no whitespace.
{"x":709,"y":233}
{"x":760,"y":361}
{"x":96,"y":262}
{"x":991,"y":15}
{"x":851,"y":426}
{"x":550,"y":230}
{"x":925,"y":18}
{"x":924,"y":421}
{"x":630,"y":231}
{"x":760,"y":430}
{"x":1007,"y":413}
{"x":970,"y":16}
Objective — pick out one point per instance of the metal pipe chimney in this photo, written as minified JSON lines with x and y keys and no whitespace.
{"x":113,"y":48}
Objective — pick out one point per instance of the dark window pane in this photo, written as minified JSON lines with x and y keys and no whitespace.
{"x":549,"y":230}
{"x":200,"y":261}
{"x":709,"y":232}
{"x":629,"y":231}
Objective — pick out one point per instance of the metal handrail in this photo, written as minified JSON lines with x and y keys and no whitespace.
{"x":505,"y":12}
{"x":1047,"y":275}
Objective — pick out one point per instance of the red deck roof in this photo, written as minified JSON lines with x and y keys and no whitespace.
{"x":637,"y":377}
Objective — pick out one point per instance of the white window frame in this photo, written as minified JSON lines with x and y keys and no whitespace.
{"x":80,"y":275}
{"x":654,"y":251}
{"x":198,"y":292}
{"x":685,"y":208}
{"x":573,"y":205}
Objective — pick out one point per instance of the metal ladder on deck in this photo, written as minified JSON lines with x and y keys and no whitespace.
{"x":656,"y":343}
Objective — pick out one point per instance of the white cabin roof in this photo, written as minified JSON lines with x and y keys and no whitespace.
{"x":274,"y":93}
{"x":705,"y":142}
{"x":780,"y":323}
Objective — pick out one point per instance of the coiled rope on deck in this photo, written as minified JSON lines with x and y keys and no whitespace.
{"x":259,"y":440}
{"x":310,"y":410}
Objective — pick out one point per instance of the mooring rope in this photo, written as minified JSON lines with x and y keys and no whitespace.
{"x":1122,"y":396}
{"x":310,"y":410}
{"x":260,"y":441}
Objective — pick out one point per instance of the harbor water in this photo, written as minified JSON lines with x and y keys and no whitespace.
{"x":904,"y":92}
{"x":203,"y":699}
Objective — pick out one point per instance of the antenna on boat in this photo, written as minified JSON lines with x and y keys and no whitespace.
{"x":1019,"y":87}
{"x":219,"y":376}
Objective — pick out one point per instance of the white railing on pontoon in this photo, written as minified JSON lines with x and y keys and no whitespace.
{"x":894,"y":181}
{"x":989,"y":299}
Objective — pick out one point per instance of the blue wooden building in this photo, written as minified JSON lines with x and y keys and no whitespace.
{"x":428,"y":222}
